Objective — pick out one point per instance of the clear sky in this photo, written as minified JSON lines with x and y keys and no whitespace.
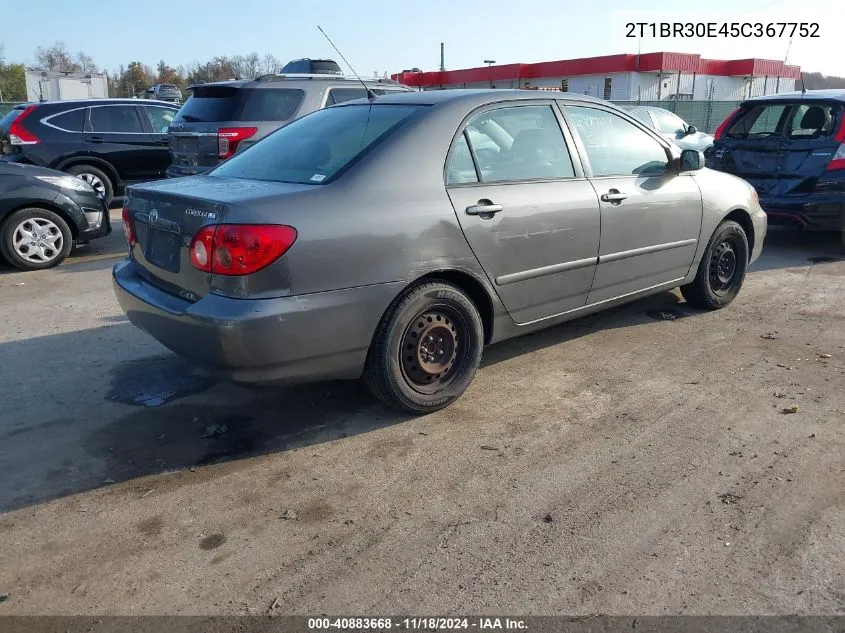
{"x":389,"y":35}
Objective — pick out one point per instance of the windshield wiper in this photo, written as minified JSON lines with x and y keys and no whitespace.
{"x":191,"y":118}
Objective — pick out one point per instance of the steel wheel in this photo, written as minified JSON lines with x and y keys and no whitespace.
{"x":37,"y":240}
{"x":723,"y":266}
{"x":95,"y":181}
{"x":430,"y":347}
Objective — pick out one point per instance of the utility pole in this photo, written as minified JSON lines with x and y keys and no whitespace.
{"x":442,"y":57}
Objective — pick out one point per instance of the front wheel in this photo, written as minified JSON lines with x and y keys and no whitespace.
{"x":721,"y":270}
{"x":34,"y":239}
{"x":426,"y":349}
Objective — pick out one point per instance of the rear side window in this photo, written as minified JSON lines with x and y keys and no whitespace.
{"x":339,"y":95}
{"x":812,"y":121}
{"x":115,"y":119}
{"x":211,"y":104}
{"x":643,"y":117}
{"x":270,"y":104}
{"x":71,"y":121}
{"x":758,"y":122}
{"x":313,"y":149}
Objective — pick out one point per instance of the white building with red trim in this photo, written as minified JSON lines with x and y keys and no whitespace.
{"x":647,"y":77}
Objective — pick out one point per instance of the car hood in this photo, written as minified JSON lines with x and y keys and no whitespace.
{"x":19,"y":169}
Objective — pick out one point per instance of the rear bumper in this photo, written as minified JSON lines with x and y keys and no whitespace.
{"x":818,"y":213}
{"x":301,"y":338}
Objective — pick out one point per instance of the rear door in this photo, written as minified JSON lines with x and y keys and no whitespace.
{"x":527,"y":212}
{"x":751,"y":147}
{"x":117,"y":134}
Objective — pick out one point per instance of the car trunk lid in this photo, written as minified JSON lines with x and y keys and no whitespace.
{"x":167,"y":214}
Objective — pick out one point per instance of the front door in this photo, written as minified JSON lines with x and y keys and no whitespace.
{"x":116,"y":134}
{"x":527,"y":212}
{"x":650,"y":215}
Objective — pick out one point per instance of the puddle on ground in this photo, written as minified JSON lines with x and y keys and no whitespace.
{"x":154,"y":381}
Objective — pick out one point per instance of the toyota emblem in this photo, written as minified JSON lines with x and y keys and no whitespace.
{"x":153,"y":216}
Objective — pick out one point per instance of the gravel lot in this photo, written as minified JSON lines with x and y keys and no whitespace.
{"x":635,"y":462}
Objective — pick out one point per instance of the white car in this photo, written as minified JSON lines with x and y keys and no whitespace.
{"x":672,"y":127}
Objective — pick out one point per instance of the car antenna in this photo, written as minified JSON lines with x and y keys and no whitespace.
{"x":803,"y":87}
{"x":370,"y":94}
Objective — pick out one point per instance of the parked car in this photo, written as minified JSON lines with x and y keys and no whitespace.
{"x":791,"y":148}
{"x":165,"y":92}
{"x":671,"y":127}
{"x":220,"y":119}
{"x":373,"y":238}
{"x":44,"y":213}
{"x":109,"y":143}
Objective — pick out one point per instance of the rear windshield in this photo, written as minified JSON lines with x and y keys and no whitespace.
{"x":215,"y":104}
{"x":790,"y":120}
{"x":318,"y":146}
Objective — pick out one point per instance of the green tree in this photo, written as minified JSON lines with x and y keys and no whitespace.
{"x":12,"y":80}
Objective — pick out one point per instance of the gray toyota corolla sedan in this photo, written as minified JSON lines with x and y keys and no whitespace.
{"x":393,"y":238}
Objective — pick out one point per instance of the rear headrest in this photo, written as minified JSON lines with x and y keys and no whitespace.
{"x":814,"y":118}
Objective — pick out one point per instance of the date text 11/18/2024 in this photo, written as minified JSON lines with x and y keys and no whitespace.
{"x":427,"y":624}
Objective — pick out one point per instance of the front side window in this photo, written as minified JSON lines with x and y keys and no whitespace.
{"x":115,"y":119}
{"x":313,"y":149}
{"x":614,"y":146}
{"x":519,"y":143}
{"x":160,"y":118}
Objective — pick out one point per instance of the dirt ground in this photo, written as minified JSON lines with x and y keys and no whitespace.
{"x":635,"y":462}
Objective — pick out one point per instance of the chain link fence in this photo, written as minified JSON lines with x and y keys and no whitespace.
{"x":6,"y":107}
{"x":706,"y":116}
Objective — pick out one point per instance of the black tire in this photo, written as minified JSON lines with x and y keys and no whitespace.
{"x":93,"y":176}
{"x":414,"y":377}
{"x":50,"y":222}
{"x":721,"y":270}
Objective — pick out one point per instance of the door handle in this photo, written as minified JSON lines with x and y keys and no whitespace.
{"x":613,"y":196}
{"x":484,"y":207}
{"x":95,"y":139}
{"x":163,"y":142}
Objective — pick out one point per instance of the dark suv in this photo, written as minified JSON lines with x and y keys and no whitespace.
{"x":165,"y":92}
{"x":791,"y":148}
{"x":222,"y":118}
{"x":109,"y":143}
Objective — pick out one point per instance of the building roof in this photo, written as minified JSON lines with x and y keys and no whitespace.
{"x":606,"y":64}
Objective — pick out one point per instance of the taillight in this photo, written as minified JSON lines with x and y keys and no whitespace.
{"x":18,"y":134}
{"x":240,"y":249}
{"x":720,"y":131}
{"x":838,"y":160}
{"x":129,"y":228}
{"x":229,"y":137}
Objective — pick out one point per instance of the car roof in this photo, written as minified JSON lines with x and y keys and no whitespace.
{"x":832,"y":94}
{"x":480,"y":96}
{"x":646,"y":107}
{"x":286,"y":79}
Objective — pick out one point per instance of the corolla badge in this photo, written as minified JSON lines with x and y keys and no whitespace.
{"x":153,"y":216}
{"x":198,"y":213}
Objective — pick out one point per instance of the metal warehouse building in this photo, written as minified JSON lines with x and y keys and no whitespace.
{"x":646,"y":77}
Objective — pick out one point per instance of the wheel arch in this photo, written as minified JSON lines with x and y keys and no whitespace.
{"x":47,"y":206}
{"x":743,"y":218}
{"x":472,"y":287}
{"x":93,"y":161}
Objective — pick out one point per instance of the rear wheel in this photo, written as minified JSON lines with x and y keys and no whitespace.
{"x":34,"y":239}
{"x":721,"y":270}
{"x":426,"y":349}
{"x":95,"y":177}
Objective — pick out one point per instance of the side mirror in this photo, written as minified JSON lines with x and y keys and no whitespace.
{"x":692,"y":160}
{"x":691,"y":130}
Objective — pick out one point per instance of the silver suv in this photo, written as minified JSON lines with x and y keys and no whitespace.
{"x":222,"y":118}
